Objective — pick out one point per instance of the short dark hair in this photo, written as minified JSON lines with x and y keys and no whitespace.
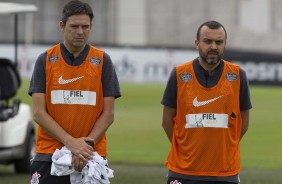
{"x":212,"y":25}
{"x":76,"y":7}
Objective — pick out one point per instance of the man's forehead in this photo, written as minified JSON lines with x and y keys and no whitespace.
{"x":79,"y":19}
{"x":207,"y":33}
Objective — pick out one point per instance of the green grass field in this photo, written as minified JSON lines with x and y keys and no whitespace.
{"x":138,"y":146}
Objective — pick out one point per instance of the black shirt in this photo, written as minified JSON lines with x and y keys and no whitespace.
{"x":208,"y":81}
{"x":109,"y":78}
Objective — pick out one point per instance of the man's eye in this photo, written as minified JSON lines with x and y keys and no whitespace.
{"x":219,"y":42}
{"x":74,"y":26}
{"x":82,"y":27}
{"x":208,"y":41}
{"x":85,"y":27}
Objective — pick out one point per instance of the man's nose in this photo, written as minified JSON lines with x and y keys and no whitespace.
{"x":213,"y":45}
{"x":79,"y":30}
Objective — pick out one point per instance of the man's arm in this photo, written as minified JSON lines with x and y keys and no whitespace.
{"x":111,"y":91}
{"x":76,"y":145}
{"x":245,"y":102}
{"x":102,"y":124}
{"x":105,"y":119}
{"x":245,"y":122}
{"x":167,"y":122}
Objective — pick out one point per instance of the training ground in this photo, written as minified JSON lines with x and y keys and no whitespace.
{"x":138,"y":146}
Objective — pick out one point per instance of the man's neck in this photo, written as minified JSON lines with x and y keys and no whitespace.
{"x":208,"y":67}
{"x":74,"y":50}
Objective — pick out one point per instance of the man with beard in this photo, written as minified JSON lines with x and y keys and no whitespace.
{"x":206,"y":113}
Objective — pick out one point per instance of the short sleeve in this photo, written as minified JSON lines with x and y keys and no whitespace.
{"x":38,"y":79}
{"x":170,"y":94}
{"x":245,"y":99}
{"x":109,"y":78}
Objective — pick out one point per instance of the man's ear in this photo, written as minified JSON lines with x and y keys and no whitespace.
{"x":197,"y":44}
{"x":62,"y":26}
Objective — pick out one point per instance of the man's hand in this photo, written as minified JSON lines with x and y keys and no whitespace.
{"x":81,"y":150}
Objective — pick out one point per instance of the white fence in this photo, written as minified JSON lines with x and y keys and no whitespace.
{"x":155,"y":64}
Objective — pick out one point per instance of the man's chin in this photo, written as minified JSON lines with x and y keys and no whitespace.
{"x":212,"y":61}
{"x":78,"y":44}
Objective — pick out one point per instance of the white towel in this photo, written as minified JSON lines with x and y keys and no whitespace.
{"x":61,"y":162}
{"x":96,"y":171}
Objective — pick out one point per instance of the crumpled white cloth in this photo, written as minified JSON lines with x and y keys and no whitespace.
{"x":96,"y":171}
{"x":61,"y":162}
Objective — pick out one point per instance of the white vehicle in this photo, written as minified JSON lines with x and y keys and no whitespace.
{"x":17,"y":133}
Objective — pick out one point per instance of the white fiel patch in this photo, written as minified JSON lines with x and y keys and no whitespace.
{"x":73,"y":97}
{"x":206,"y":120}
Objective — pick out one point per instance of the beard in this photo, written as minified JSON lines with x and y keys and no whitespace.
{"x":212,"y":57}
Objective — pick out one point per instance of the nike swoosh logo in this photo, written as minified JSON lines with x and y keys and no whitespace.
{"x":66,"y":81}
{"x":196,"y":103}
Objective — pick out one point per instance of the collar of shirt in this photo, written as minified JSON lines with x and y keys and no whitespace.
{"x":203,"y":77}
{"x":69,"y":58}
